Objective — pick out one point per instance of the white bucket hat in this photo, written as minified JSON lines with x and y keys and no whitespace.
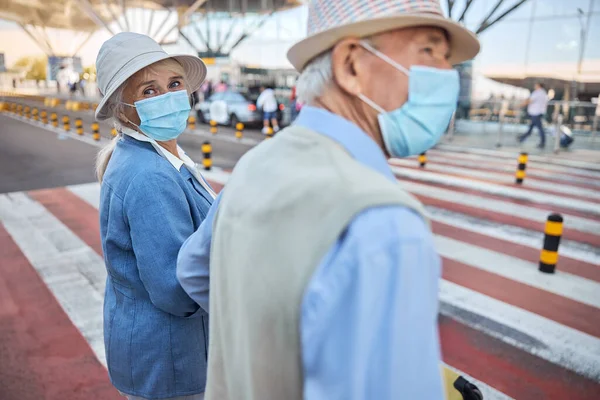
{"x":125,"y":54}
{"x":330,"y":21}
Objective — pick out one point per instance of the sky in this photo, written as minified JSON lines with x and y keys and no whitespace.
{"x":516,"y":43}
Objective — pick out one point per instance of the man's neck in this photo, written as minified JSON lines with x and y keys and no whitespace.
{"x":353,"y":110}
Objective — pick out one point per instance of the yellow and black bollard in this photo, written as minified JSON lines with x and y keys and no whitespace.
{"x":113,"y":132}
{"x":422,"y":160}
{"x":207,"y":152}
{"x":458,"y":388}
{"x":96,"y":131}
{"x":191,"y":122}
{"x":520,"y":175}
{"x":239,"y":130}
{"x":44,"y":116}
{"x":79,"y":126}
{"x":35,"y":114}
{"x":27,"y":111}
{"x":66,"y":123}
{"x":54,"y":119}
{"x":552,"y":234}
{"x":269,"y":133}
{"x":213,"y":127}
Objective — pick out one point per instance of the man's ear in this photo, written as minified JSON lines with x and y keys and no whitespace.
{"x":346,"y":65}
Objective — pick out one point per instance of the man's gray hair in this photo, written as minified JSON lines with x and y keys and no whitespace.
{"x":318,"y":75}
{"x":315,"y":78}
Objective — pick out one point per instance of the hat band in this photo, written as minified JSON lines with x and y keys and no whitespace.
{"x":116,"y":74}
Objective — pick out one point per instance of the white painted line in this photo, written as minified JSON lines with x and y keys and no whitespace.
{"x":522,"y":194}
{"x":512,"y":161}
{"x":505,"y":178}
{"x":543,"y":337}
{"x":500,"y":206}
{"x":513,"y":234}
{"x":501,"y":167}
{"x":74,"y":273}
{"x":89,"y":192}
{"x":561,"y":283}
{"x":511,"y":154}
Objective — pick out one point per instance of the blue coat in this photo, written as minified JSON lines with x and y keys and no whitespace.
{"x":156,"y":336}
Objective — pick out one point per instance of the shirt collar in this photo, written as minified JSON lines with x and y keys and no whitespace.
{"x":176,"y":162}
{"x":354,"y":140}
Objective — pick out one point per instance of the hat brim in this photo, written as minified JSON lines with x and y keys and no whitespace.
{"x":464,"y":44}
{"x":193,"y":67}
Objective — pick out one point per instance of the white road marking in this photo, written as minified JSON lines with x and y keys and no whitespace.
{"x":502,"y":165}
{"x":513,"y":234}
{"x":500,"y":206}
{"x":551,"y":159}
{"x":74,"y":273}
{"x":505,"y":178}
{"x":89,"y":192}
{"x":513,"y":162}
{"x":560,"y":283}
{"x":555,"y":342}
{"x":515,"y":193}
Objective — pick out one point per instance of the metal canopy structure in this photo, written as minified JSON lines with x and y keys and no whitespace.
{"x":87,"y":16}
{"x":495,"y":14}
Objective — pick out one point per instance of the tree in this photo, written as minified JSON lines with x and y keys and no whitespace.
{"x":34,"y":67}
{"x":491,"y":18}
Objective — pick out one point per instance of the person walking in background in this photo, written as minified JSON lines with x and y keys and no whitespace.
{"x":221,"y":87}
{"x":536,"y":109}
{"x":268,"y":103}
{"x":321,"y":270}
{"x":152,"y":199}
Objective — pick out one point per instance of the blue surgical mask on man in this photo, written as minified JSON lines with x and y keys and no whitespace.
{"x":164,"y":117}
{"x":419,"y":123}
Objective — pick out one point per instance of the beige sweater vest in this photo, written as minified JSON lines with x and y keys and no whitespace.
{"x":285,"y":205}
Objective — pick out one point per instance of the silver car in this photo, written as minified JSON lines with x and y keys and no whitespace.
{"x":231,"y":107}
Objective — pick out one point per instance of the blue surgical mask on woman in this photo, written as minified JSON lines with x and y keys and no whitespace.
{"x":419,"y":123}
{"x":163,"y":117}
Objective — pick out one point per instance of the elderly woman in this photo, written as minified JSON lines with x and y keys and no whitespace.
{"x":152,"y":199}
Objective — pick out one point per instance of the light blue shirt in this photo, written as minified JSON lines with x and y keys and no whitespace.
{"x":369,"y":313}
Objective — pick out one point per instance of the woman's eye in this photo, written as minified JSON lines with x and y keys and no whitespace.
{"x":175,"y":84}
{"x":149,"y":92}
{"x":428,"y":50}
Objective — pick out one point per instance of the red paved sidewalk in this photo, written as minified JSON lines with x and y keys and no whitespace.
{"x":42,"y":354}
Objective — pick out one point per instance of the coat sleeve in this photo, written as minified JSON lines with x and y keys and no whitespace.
{"x":160,"y":220}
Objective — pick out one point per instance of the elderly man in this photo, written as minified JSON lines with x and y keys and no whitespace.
{"x":323,"y":273}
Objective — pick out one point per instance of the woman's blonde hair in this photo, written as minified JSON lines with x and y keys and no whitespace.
{"x":116,"y":108}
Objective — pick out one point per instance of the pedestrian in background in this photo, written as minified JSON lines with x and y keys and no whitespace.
{"x":323,"y":273}
{"x":536,"y":109}
{"x":268,"y":103}
{"x":152,"y":199}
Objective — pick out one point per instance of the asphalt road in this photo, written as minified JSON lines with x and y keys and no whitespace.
{"x":35,"y":157}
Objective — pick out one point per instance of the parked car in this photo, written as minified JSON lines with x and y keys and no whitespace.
{"x":231,"y":107}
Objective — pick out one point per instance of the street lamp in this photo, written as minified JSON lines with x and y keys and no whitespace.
{"x":582,"y":34}
{"x":584,"y":25}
